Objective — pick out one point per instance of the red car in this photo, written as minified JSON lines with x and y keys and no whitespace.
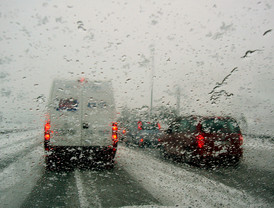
{"x":203,"y":140}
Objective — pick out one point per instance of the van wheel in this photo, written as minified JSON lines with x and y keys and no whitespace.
{"x":49,"y":164}
{"x":52,"y":163}
{"x":109,"y":165}
{"x":166,"y":155}
{"x":108,"y":160}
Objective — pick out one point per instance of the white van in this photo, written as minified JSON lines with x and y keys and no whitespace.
{"x":80,"y":127}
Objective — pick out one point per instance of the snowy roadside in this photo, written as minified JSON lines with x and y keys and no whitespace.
{"x":174,"y":186}
{"x":259,"y":153}
{"x":259,"y":143}
{"x":16,"y":137}
{"x":16,"y":145}
{"x":18,"y":179}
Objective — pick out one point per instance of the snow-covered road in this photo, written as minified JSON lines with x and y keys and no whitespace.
{"x":176,"y":186}
{"x":140,"y":177}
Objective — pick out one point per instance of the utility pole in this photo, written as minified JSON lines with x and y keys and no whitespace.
{"x":152,"y":78}
{"x":178,"y":99}
{"x":177,"y":95}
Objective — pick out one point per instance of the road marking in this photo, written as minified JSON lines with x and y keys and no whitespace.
{"x":82,"y":196}
{"x":89,"y":192}
{"x":93,"y":191}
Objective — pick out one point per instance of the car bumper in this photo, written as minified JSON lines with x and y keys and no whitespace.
{"x":218,"y":158}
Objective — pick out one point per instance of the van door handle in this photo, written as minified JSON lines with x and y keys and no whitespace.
{"x":85,"y":126}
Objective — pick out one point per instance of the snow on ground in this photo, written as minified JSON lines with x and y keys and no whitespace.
{"x":259,"y":153}
{"x":13,"y":144}
{"x":176,"y":186}
{"x":15,"y":137}
{"x":18,"y":177}
{"x":169,"y":184}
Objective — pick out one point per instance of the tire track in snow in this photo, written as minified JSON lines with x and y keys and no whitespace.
{"x":87,"y":190}
{"x":11,"y":139}
{"x":93,"y":192}
{"x":10,"y":158}
{"x":81,"y":193}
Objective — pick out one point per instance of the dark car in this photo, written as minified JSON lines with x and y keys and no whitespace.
{"x":203,"y":140}
{"x":123,"y":133}
{"x":143,"y":134}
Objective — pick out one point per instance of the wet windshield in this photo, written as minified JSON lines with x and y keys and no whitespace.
{"x":99,"y":101}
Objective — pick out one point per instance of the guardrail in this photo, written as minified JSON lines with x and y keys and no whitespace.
{"x":7,"y":131}
{"x":260,"y":136}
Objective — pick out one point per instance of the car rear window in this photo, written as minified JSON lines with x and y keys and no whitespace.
{"x":149,"y":126}
{"x":185,"y":125}
{"x":215,"y":125}
{"x":69,"y":104}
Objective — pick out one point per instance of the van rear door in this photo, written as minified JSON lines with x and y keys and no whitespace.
{"x":65,"y":114}
{"x":98,"y":114}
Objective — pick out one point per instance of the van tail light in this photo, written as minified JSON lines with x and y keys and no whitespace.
{"x":47,"y":135}
{"x":241,"y":139}
{"x":47,"y":131}
{"x":114,"y":127}
{"x":200,"y":140}
{"x":114,"y":134}
{"x":47,"y":127}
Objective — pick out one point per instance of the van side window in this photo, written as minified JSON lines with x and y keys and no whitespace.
{"x":101,"y":104}
{"x":69,"y":104}
{"x":91,"y":105}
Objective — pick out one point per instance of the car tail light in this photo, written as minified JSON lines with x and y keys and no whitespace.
{"x":124,"y":131}
{"x":200,"y":140}
{"x":81,"y":80}
{"x":159,"y":126}
{"x":140,"y":125}
{"x":241,"y":139}
{"x":114,"y":134}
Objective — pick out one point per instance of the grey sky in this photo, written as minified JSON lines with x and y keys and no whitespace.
{"x":196,"y":43}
